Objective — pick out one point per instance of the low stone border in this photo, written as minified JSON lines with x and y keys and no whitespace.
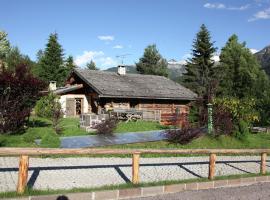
{"x":151,"y":191}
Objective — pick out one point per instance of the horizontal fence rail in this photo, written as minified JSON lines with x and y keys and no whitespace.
{"x":24,"y":154}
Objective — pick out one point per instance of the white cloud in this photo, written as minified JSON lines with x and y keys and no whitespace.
{"x":223,"y":6}
{"x":106,"y":37}
{"x":106,"y":62}
{"x":118,"y":47}
{"x":98,"y":57}
{"x":214,"y":5}
{"x":262,"y":14}
{"x":216,"y":58}
{"x":244,"y":7}
{"x":87,"y":56}
{"x":253,"y":50}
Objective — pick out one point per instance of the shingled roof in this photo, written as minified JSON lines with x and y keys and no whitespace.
{"x":111,"y":84}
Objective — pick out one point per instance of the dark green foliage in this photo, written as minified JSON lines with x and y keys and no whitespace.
{"x":50,"y":140}
{"x":263,"y":57}
{"x":241,"y":130}
{"x":241,"y":73}
{"x":51,"y":64}
{"x":200,"y":69}
{"x":152,"y":62}
{"x":14,"y":58}
{"x":70,"y":64}
{"x":91,"y":65}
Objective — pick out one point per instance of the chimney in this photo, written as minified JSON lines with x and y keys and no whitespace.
{"x":52,"y":85}
{"x":121,"y":70}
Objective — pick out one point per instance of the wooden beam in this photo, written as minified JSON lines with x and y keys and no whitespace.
{"x":263,"y":163}
{"x":86,"y":151}
{"x":135,"y":167}
{"x":23,"y":174}
{"x":212,"y":165}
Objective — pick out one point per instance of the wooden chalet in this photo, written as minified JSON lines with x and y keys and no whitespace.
{"x":89,"y":91}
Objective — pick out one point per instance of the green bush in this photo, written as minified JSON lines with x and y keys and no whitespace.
{"x":31,"y":135}
{"x":241,"y":130}
{"x":50,"y":140}
{"x":44,"y":107}
{"x":2,"y":141}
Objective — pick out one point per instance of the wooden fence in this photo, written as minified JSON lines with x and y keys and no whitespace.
{"x":24,"y":154}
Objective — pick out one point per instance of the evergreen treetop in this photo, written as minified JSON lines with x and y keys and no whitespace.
{"x":152,"y":62}
{"x":200,"y":69}
{"x":51,"y":65}
{"x":91,"y":65}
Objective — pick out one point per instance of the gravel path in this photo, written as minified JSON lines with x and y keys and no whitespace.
{"x":67,"y":173}
{"x":260,"y":191}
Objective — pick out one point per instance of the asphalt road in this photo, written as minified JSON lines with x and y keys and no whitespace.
{"x":260,"y":191}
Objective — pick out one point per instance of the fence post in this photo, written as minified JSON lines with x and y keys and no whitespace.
{"x":135,"y":167}
{"x":23,"y":173}
{"x":212,"y":164}
{"x":263,"y":163}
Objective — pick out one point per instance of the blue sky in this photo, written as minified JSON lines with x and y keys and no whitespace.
{"x":102,"y":29}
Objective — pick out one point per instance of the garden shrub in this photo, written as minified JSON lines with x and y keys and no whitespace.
{"x":50,"y":140}
{"x":19,"y":91}
{"x":222,"y":120}
{"x":184,"y":135}
{"x":241,"y":112}
{"x":107,"y":127}
{"x":50,"y":107}
{"x":43,"y":106}
{"x":241,"y":130}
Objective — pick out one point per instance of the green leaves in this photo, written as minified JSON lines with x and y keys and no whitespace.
{"x":241,"y":73}
{"x":152,"y":62}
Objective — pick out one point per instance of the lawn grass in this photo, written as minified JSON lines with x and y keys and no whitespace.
{"x":39,"y":127}
{"x":253,"y":141}
{"x":136,"y":126}
{"x":31,"y":192}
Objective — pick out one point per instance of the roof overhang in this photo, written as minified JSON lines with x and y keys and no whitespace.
{"x":64,"y":90}
{"x":147,"y":97}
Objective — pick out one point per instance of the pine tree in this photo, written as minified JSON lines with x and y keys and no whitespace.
{"x":152,"y":62}
{"x":200,"y":70}
{"x":91,"y":65}
{"x":15,"y":58}
{"x":51,"y":65}
{"x":242,"y":76}
{"x":70,"y":63}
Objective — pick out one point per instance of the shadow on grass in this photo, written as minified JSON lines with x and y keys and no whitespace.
{"x":38,"y":123}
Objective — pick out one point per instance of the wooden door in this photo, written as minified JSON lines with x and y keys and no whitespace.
{"x":70,"y":107}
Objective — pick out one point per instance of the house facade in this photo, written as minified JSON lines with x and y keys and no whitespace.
{"x":90,"y":91}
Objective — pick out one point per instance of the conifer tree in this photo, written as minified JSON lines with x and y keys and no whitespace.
{"x":152,"y":62}
{"x":91,"y":65}
{"x":51,"y":66}
{"x":200,"y":70}
{"x":70,"y":63}
{"x":242,"y":76}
